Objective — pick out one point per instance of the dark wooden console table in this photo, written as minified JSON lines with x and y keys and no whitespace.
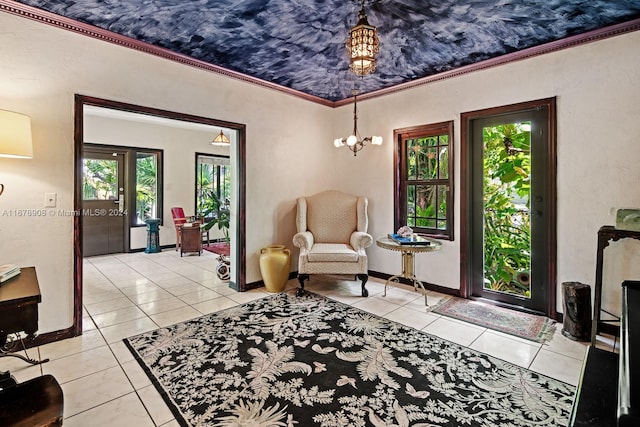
{"x":606,"y":234}
{"x":19,"y":299}
{"x":191,"y":239}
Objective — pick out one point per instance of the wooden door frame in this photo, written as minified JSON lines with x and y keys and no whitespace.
{"x":240,"y":234}
{"x":466,"y":119}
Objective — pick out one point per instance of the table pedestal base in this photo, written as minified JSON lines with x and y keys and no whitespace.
{"x":9,"y":349}
{"x":408,"y":263}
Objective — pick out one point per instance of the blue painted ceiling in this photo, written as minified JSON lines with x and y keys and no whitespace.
{"x":299,"y":44}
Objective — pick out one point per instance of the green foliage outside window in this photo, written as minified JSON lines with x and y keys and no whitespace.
{"x":507,"y":183}
{"x":99,"y":179}
{"x":146,"y":186}
{"x":217,"y":212}
{"x":213,"y":192}
{"x":427,"y":181}
{"x":212,"y":178}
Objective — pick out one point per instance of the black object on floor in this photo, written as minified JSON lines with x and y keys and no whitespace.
{"x":36,"y":402}
{"x":596,"y":399}
{"x":577,"y":311}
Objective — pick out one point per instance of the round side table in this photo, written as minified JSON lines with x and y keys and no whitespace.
{"x":408,"y":260}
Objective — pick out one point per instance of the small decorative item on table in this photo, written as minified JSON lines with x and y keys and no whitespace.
{"x":404,"y":231}
{"x":406,"y":236}
{"x":628,"y":219}
{"x":8,"y":271}
{"x":414,"y":239}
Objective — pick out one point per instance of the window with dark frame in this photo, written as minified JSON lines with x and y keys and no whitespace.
{"x":148,"y":176}
{"x":143,"y":180}
{"x":213,"y":175}
{"x":424,"y":179}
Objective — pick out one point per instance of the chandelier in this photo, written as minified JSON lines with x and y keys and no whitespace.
{"x":353,"y":141}
{"x":362,"y":45}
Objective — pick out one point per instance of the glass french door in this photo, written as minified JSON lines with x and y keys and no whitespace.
{"x":510,"y":219}
{"x":103,"y":203}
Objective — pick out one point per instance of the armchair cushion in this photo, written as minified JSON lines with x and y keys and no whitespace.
{"x":332,"y":252}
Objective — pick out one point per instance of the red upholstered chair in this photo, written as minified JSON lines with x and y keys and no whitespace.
{"x":178,"y":220}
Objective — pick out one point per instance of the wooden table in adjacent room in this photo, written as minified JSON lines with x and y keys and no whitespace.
{"x":191,"y":238}
{"x":408,"y":260}
{"x":19,"y":299}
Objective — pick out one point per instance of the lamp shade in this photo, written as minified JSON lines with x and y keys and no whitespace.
{"x":221,"y":139}
{"x":15,"y":135}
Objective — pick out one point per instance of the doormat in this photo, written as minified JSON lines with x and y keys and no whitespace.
{"x":221,"y":248}
{"x":524,"y":325}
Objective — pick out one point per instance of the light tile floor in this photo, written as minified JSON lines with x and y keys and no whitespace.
{"x":127,"y":294}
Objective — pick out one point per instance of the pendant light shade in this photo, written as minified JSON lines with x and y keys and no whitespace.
{"x":221,"y":139}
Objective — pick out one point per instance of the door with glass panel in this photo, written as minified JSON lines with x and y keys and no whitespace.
{"x":213,"y":194}
{"x":510,"y":208}
{"x":103,"y":202}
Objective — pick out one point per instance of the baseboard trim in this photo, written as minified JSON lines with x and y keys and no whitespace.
{"x":378,"y":275}
{"x":260,"y":283}
{"x":428,"y":286}
{"x":46,"y":338}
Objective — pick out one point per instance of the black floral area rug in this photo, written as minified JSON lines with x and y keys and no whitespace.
{"x":304,"y":361}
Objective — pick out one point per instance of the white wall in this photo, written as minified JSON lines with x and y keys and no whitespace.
{"x":41,"y":69}
{"x":289,"y":144}
{"x":597,"y":87}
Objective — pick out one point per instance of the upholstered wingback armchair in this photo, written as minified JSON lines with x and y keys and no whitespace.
{"x":332,"y":236}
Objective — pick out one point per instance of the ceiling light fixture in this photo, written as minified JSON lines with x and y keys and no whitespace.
{"x":362,"y":45}
{"x":353,"y":141}
{"x":221,"y":139}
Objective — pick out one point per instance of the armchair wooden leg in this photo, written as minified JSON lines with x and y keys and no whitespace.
{"x":301,"y":279}
{"x":364,"y":278}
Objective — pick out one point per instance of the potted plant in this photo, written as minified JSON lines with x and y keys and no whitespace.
{"x":215,"y":212}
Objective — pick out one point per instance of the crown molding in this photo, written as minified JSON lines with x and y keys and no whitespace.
{"x":39,"y":15}
{"x":566,"y":43}
{"x":94,"y":32}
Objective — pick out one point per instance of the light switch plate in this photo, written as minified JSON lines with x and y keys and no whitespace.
{"x":50,"y":200}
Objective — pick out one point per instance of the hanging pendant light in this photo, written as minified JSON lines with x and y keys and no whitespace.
{"x":362,"y":45}
{"x":353,"y":141}
{"x":221,"y":139}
